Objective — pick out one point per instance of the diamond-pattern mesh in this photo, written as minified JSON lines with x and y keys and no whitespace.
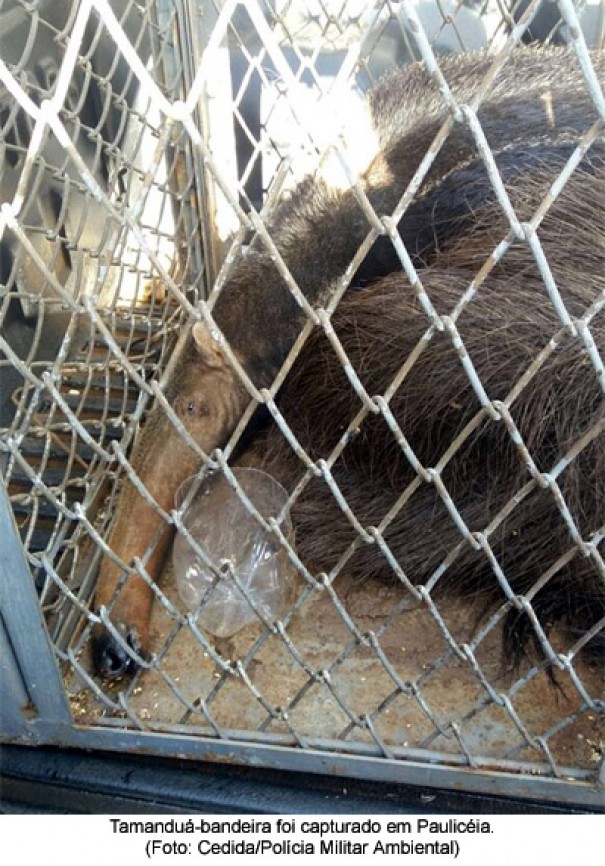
{"x":143,"y":152}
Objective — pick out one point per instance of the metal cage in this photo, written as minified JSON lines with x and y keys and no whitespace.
{"x":143,"y":144}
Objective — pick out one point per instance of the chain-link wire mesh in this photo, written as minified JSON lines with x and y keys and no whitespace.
{"x":145,"y":149}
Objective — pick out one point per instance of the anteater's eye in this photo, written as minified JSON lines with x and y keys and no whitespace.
{"x":186,"y":407}
{"x":191,"y":407}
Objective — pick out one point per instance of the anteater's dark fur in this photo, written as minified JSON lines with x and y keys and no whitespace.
{"x":532,"y":116}
{"x":505,"y":326}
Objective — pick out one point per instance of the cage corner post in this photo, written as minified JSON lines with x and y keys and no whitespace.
{"x":34,"y":705}
{"x":203,"y":37}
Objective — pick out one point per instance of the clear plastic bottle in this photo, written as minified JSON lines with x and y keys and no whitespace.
{"x":236,"y":542}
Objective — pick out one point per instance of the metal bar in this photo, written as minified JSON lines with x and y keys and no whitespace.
{"x":26,"y":627}
{"x":482,"y":779}
{"x":13,"y":695}
{"x":206,"y":246}
{"x":91,"y":783}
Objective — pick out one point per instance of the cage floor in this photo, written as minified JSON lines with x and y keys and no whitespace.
{"x":269,"y":678}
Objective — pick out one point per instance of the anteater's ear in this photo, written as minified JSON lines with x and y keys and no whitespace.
{"x":209,"y":351}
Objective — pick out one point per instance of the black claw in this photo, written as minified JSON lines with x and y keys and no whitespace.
{"x":109,"y":658}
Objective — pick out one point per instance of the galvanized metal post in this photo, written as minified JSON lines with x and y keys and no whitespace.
{"x":14,"y":699}
{"x":38,"y":678}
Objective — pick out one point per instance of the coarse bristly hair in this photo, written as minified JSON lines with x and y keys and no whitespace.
{"x":558,"y":411}
{"x":525,"y":478}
